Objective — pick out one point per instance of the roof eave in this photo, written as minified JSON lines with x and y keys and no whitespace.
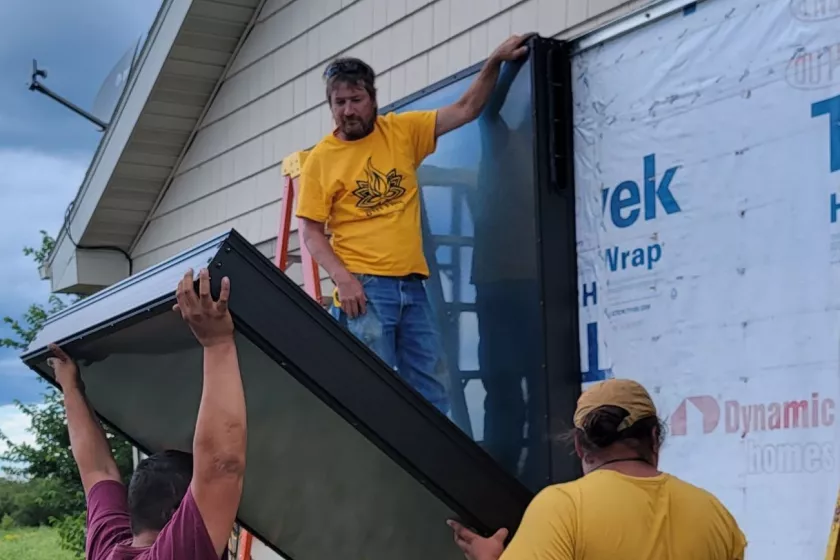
{"x":140,"y":151}
{"x":129,"y":108}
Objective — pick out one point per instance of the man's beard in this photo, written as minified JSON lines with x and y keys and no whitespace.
{"x":358,"y":130}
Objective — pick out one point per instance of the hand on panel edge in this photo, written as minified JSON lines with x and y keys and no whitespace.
{"x":476,"y":547}
{"x":209,"y":320}
{"x":65,"y":368}
{"x":512,"y":48}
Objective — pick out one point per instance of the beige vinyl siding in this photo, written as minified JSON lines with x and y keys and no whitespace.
{"x":272,"y":101}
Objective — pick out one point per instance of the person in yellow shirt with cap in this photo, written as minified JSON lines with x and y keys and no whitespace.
{"x":623,"y":508}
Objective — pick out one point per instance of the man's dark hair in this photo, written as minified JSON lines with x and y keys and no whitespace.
{"x":601,"y":429}
{"x":352,"y":71}
{"x":157,"y":487}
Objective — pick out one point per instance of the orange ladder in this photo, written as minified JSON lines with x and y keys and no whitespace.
{"x":239,"y":544}
{"x":283,"y":260}
{"x":292,"y":165}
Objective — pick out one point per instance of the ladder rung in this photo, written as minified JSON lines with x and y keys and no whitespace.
{"x":469,"y":375}
{"x":453,"y":240}
{"x":453,"y":308}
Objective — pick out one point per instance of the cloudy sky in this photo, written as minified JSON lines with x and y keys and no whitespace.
{"x":44,"y":148}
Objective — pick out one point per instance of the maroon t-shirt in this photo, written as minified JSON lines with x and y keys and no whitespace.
{"x":109,"y":529}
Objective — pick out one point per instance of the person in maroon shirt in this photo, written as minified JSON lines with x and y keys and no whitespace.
{"x":177,"y":506}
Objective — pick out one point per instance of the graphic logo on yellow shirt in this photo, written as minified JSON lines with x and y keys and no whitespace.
{"x":378,"y":190}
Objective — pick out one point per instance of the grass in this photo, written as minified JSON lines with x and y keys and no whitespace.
{"x":31,"y":544}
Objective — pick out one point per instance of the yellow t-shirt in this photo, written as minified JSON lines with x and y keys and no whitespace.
{"x":366,"y":191}
{"x":610,"y":516}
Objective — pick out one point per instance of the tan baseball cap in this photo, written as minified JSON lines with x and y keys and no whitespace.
{"x":623,"y":393}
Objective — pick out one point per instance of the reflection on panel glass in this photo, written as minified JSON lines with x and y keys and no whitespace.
{"x":309,"y":470}
{"x":480,"y":234}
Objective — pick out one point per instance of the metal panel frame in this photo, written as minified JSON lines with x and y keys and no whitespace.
{"x":557,"y":246}
{"x":556,"y":232}
{"x":293,"y":330}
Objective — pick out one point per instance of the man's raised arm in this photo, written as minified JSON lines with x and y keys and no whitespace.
{"x":88,"y":443}
{"x":220,"y":430}
{"x":470,"y":105}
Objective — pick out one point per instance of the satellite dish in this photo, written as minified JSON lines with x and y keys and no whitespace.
{"x":114,"y":84}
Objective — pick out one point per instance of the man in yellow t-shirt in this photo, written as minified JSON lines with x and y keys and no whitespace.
{"x":361,"y":182}
{"x":623,"y":507}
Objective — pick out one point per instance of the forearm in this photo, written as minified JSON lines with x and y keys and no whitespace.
{"x":475,"y":98}
{"x":319,"y":247}
{"x":88,"y":442}
{"x":220,"y":431}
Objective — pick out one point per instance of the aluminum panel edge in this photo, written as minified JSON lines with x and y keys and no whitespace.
{"x":124,"y":297}
{"x":444,"y":472}
{"x":555,"y":219}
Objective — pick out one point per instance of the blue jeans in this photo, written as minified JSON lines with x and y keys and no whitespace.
{"x":399,"y":325}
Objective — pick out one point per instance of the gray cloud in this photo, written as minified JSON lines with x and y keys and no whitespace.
{"x":78,"y":42}
{"x":44,"y":148}
{"x":35,"y":188}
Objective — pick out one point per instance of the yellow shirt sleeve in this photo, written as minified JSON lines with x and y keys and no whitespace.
{"x":740,"y":545}
{"x":314,"y":198}
{"x":547,"y":531}
{"x":420,"y":127}
{"x":739,"y":540}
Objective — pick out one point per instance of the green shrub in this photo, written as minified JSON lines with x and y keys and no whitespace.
{"x":71,"y":534}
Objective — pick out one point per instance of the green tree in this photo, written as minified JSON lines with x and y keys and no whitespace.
{"x":29,"y":503}
{"x":27,"y":327}
{"x":49,"y":459}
